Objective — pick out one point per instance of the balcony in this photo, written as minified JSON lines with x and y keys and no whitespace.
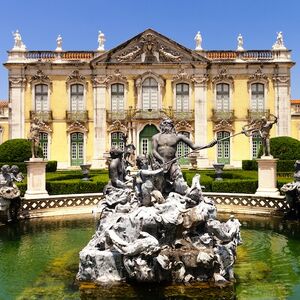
{"x":79,"y":115}
{"x":149,"y":114}
{"x":254,"y":114}
{"x":43,"y":116}
{"x":112,"y":116}
{"x":220,"y":115}
{"x":180,"y":115}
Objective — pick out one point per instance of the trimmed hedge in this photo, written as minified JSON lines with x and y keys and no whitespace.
{"x":284,"y":148}
{"x":282,"y":165}
{"x":235,"y":186}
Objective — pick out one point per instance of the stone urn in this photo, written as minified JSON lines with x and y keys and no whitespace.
{"x":85,"y":168}
{"x":218,"y":170}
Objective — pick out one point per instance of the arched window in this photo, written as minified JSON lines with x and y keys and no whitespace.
{"x":257,"y":96}
{"x":146,"y":139}
{"x":183,"y":149}
{"x":256,"y":143}
{"x":117,"y":140}
{"x":44,"y":144}
{"x":223,"y":155}
{"x":150,"y":94}
{"x":77,"y":149}
{"x":117,"y":97}
{"x":182,"y":97}
{"x":41,"y":97}
{"x":77,"y":101}
{"x":222,"y":97}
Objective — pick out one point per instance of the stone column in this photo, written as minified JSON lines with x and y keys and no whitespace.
{"x":16,"y":107}
{"x":36,"y":179}
{"x":200,"y":84}
{"x":100,"y":131}
{"x":267,"y":177}
{"x":283,"y":108}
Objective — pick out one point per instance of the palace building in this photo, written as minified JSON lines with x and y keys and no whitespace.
{"x":87,"y":101}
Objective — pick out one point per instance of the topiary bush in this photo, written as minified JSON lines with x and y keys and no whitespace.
{"x":235,"y":186}
{"x":284,"y":148}
{"x":16,"y":150}
{"x":249,"y":164}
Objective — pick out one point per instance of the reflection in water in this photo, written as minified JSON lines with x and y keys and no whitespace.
{"x":39,"y":260}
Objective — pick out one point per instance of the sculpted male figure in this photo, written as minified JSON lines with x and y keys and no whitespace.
{"x":264,"y":132}
{"x":34,"y":137}
{"x":164,"y":147}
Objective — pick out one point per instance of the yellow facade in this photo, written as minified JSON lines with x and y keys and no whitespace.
{"x":204,"y":110}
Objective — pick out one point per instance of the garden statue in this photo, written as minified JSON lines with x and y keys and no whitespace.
{"x":292,"y":192}
{"x":34,"y":137}
{"x":153,"y":227}
{"x":10,"y":200}
{"x":264,"y":131}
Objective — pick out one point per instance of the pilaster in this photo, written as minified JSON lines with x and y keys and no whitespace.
{"x":16,"y":105}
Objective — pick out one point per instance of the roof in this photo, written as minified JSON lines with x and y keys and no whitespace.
{"x":3,"y":103}
{"x":295,"y":101}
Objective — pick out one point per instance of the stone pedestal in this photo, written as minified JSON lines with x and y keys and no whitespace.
{"x":36,"y":179}
{"x":267,"y":177}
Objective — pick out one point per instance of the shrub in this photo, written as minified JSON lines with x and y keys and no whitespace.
{"x":16,"y":150}
{"x":51,"y":166}
{"x":249,"y":164}
{"x":284,"y":148}
{"x":235,"y":186}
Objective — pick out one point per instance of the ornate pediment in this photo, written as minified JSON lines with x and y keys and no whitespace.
{"x":223,"y":125}
{"x":40,"y":77}
{"x":258,"y":76}
{"x":117,"y":126}
{"x":183,"y":126}
{"x":77,"y":126}
{"x":223,"y":76}
{"x":76,"y":77}
{"x":149,"y":47}
{"x":44,"y":127}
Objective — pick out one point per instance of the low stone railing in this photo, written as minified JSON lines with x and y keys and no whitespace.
{"x":246,"y":201}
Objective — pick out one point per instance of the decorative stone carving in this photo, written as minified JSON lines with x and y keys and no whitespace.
{"x":240,"y":44}
{"x":75,"y":77}
{"x":169,"y":55}
{"x":198,"y":40}
{"x":258,"y":76}
{"x":18,"y":45}
{"x":77,"y":126}
{"x":44,"y":127}
{"x":147,"y":74}
{"x":59,"y":41}
{"x":40,"y":77}
{"x":184,"y":126}
{"x":200,"y":79}
{"x":223,"y":125}
{"x":153,"y":227}
{"x":130,"y":54}
{"x":101,"y":41}
{"x":181,"y":76}
{"x":17,"y":82}
{"x":223,"y":76}
{"x":279,"y":45}
{"x":281,"y":79}
{"x":117,"y":126}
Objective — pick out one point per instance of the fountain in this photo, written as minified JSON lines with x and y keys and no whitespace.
{"x":154,"y":228}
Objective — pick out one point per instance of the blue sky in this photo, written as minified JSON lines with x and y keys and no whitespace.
{"x":219,"y":22}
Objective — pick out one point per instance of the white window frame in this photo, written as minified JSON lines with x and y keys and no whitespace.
{"x":47,"y":108}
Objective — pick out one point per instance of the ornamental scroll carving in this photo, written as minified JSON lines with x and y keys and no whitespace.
{"x":223,"y":76}
{"x":150,"y":49}
{"x":76,"y":77}
{"x":17,"y":82}
{"x":258,"y":76}
{"x":117,"y":126}
{"x":183,"y":126}
{"x":223,"y":125}
{"x":77,"y":126}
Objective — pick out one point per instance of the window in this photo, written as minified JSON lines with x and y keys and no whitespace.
{"x":256,"y":143}
{"x":117,"y":140}
{"x":223,"y":150}
{"x":41,"y":97}
{"x":76,"y":149}
{"x":44,"y":144}
{"x":183,"y":150}
{"x":77,"y":103}
{"x":222,"y":101}
{"x":182,"y":97}
{"x":257,"y":96}
{"x":117,"y":97}
{"x":150,"y":94}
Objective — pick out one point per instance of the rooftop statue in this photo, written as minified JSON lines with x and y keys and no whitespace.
{"x":240,"y":44}
{"x":279,"y":45}
{"x":198,"y":40}
{"x":59,"y":41}
{"x":101,"y":41}
{"x":18,"y":45}
{"x":153,"y":227}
